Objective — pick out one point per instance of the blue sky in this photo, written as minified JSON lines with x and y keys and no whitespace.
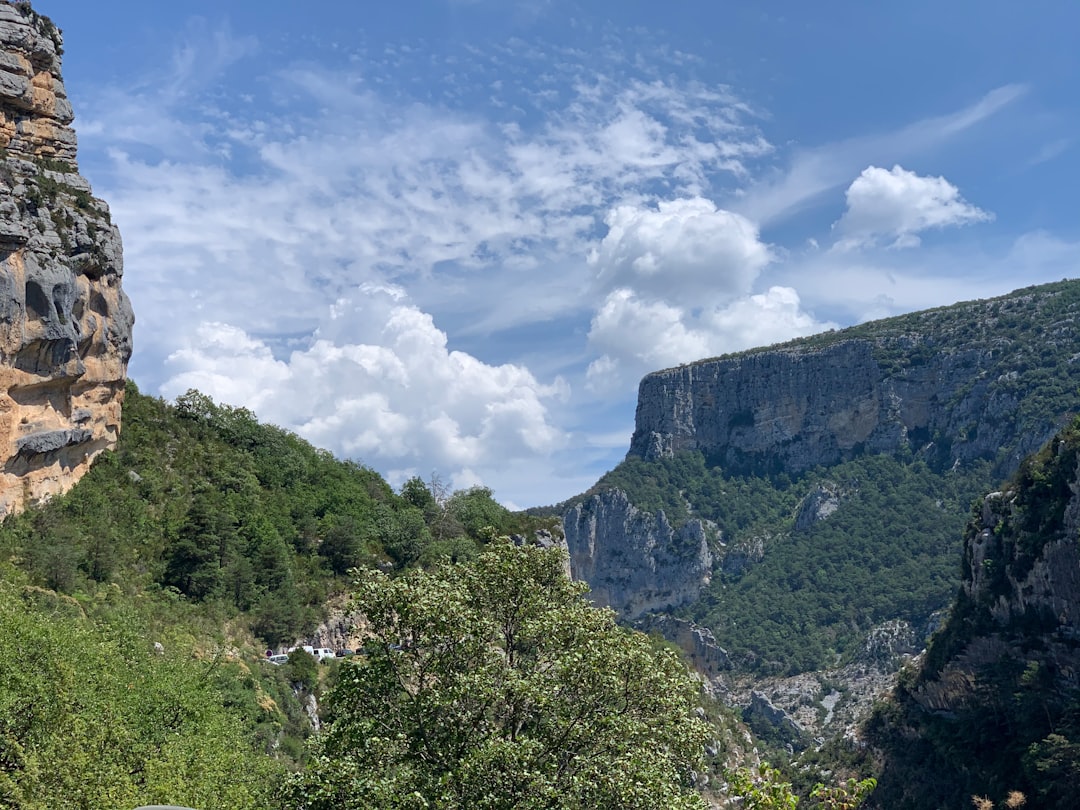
{"x":450,"y":237}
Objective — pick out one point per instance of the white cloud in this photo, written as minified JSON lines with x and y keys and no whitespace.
{"x":652,"y":333}
{"x":758,"y":320}
{"x":637,"y":336}
{"x":816,"y":170}
{"x":896,"y":205}
{"x":684,"y":250}
{"x":404,"y":397}
{"x":679,"y":281}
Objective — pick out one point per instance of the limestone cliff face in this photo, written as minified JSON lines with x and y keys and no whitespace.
{"x":950,"y":383}
{"x":65,"y":323}
{"x":634,"y":561}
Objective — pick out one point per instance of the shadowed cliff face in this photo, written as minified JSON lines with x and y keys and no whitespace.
{"x":996,"y":705}
{"x":65,"y":323}
{"x":949,"y":383}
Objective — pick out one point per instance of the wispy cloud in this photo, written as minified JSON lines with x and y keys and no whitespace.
{"x":263,"y":268}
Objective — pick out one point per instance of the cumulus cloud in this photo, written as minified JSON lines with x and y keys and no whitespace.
{"x":678,"y":279}
{"x":652,"y":333}
{"x":637,"y":336}
{"x":683,"y":250}
{"x":389,"y":391}
{"x":896,"y":205}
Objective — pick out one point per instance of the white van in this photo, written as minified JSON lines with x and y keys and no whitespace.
{"x":322,"y":653}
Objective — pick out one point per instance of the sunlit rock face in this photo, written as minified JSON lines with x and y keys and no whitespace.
{"x":634,"y":561}
{"x":980,"y":380}
{"x":65,"y":323}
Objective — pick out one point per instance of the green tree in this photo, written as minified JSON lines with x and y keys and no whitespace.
{"x":91,"y":716}
{"x":494,"y":684}
{"x":765,"y":789}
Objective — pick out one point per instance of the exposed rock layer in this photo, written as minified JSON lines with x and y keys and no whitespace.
{"x":65,"y":323}
{"x":948,"y":383}
{"x":635,"y":561}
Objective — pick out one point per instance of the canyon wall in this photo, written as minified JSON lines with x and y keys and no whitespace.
{"x":988,"y":379}
{"x":65,"y":322}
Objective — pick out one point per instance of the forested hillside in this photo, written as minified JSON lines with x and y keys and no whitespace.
{"x":797,"y":587}
{"x":994,"y":710}
{"x":134,"y":609}
{"x":203,"y":504}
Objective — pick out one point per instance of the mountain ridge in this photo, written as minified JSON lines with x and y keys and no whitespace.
{"x":939,"y":374}
{"x":806,"y":567}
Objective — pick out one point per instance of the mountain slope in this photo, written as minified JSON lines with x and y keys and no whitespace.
{"x":825,"y":482}
{"x":995,"y":706}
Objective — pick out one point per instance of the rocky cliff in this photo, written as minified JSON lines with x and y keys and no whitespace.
{"x":635,"y":561}
{"x":950,"y":383}
{"x":986,"y":381}
{"x":996,"y":705}
{"x":65,"y":323}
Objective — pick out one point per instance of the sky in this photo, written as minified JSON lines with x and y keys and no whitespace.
{"x":449,"y":237}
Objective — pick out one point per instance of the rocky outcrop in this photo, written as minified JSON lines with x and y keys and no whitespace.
{"x":822,"y":501}
{"x":995,"y":706}
{"x":635,"y":561}
{"x":1020,"y":597}
{"x":950,"y":384}
{"x":65,"y":323}
{"x":697,"y":642}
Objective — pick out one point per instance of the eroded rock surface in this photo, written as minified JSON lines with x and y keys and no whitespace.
{"x":65,"y":323}
{"x":979,"y":380}
{"x":635,"y":561}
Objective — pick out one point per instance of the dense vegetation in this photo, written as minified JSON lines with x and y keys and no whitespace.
{"x":213,"y":536}
{"x":202,"y":504}
{"x":92,"y":716}
{"x":792,"y":595}
{"x":1011,"y":723}
{"x":494,"y":684}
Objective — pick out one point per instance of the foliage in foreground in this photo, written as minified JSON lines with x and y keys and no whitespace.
{"x":765,"y":789}
{"x":91,"y":717}
{"x":493,"y":684}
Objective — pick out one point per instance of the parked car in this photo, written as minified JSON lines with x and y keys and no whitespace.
{"x":278,"y":660}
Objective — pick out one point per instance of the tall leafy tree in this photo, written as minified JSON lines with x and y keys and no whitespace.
{"x":494,"y":684}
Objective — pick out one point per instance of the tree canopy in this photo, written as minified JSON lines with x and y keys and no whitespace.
{"x":493,"y":683}
{"x":91,"y":716}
